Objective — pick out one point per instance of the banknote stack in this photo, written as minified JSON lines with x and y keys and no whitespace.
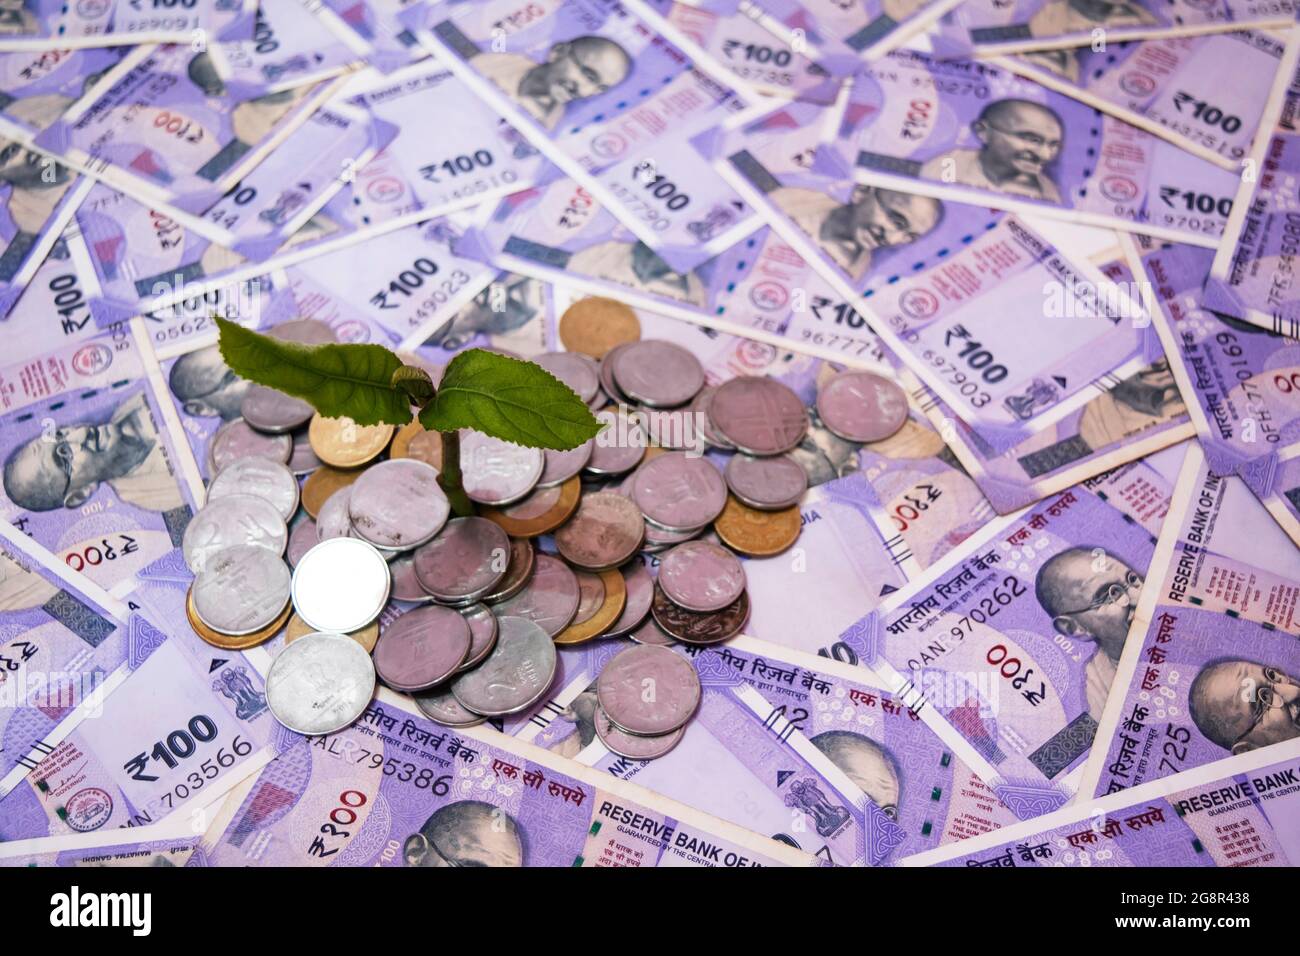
{"x":946,"y":510}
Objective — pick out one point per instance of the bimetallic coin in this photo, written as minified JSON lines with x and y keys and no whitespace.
{"x":235,"y":519}
{"x":269,"y":480}
{"x":483,"y":631}
{"x":549,"y":598}
{"x":422,"y":648}
{"x":340,"y":585}
{"x":334,"y":520}
{"x":324,"y":481}
{"x":304,"y":332}
{"x":758,"y":534}
{"x":269,"y":410}
{"x":516,"y":675}
{"x":497,"y":472}
{"x":679,"y":492}
{"x":225,"y":641}
{"x":441,"y":706}
{"x":701,"y":576}
{"x":367,"y":637}
{"x":414,"y":441}
{"x":648,"y":690}
{"x":406,"y":586}
{"x":759,"y":415}
{"x":658,"y":373}
{"x":302,"y":539}
{"x":465,"y":562}
{"x":518,"y":571}
{"x":640,"y":589}
{"x":691,"y":627}
{"x":574,"y":369}
{"x":542,"y":511}
{"x":596,"y":324}
{"x":398,"y":504}
{"x":320,"y":684}
{"x":601,"y":600}
{"x":619,"y":446}
{"x":606,"y":530}
{"x":861,"y":407}
{"x":343,"y":443}
{"x":235,"y":440}
{"x":241,"y":589}
{"x":631,"y":745}
{"x":303,"y":461}
{"x":700,"y":407}
{"x":559,"y":466}
{"x":768,"y":484}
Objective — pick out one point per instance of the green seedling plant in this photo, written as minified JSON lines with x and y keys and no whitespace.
{"x":506,"y":398}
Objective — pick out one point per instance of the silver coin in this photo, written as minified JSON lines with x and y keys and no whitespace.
{"x":303,"y":460}
{"x":269,"y":480}
{"x":658,"y":373}
{"x":441,"y":706}
{"x":406,"y":586}
{"x":320,"y":683}
{"x":550,"y":597}
{"x":607,"y":381}
{"x":302,"y":538}
{"x":679,"y":492}
{"x":496,"y":472}
{"x":574,"y":369}
{"x":483,"y":631}
{"x":559,"y":466}
{"x":236,"y":439}
{"x":341,"y":585}
{"x":658,"y":538}
{"x":465,"y":562}
{"x":625,"y":679}
{"x":640,"y":588}
{"x":241,"y":589}
{"x":334,"y":520}
{"x":518,"y":571}
{"x":630,"y":745}
{"x":619,"y":446}
{"x":701,"y":576}
{"x":398,"y":504}
{"x":700,"y":406}
{"x":759,"y":415}
{"x":269,"y":410}
{"x":235,"y":519}
{"x":516,"y":675}
{"x":768,"y":484}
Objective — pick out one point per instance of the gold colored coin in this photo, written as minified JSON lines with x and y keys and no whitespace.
{"x":759,"y":534}
{"x":414,"y":441}
{"x":615,"y":597}
{"x":596,"y":324}
{"x":542,"y":511}
{"x":297,"y":628}
{"x":343,"y":443}
{"x":322,"y":483}
{"x":227,"y":642}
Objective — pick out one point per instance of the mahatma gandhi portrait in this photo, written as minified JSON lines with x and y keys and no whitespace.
{"x":1063,"y":17}
{"x":205,"y":386}
{"x":35,"y":184}
{"x":1241,"y":705}
{"x":16,"y":19}
{"x":64,"y":468}
{"x":251,"y":120}
{"x":1019,"y":140}
{"x":466,"y":833}
{"x":581,"y":712}
{"x":636,"y":265}
{"x":505,"y":305}
{"x":1146,"y":398}
{"x":574,"y":70}
{"x":866,"y":763}
{"x":1091,"y":595}
{"x":852,"y":232}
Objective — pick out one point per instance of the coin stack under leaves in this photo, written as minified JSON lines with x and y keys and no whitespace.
{"x":464,"y":613}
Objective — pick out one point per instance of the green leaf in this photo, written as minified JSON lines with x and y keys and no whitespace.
{"x":353,"y":381}
{"x":415,"y":382}
{"x":509,"y":399}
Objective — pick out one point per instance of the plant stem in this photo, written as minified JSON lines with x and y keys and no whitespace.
{"x":449,"y":476}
